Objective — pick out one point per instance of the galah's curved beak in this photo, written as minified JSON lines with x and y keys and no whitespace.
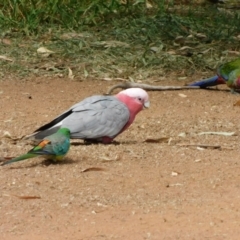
{"x":146,"y":104}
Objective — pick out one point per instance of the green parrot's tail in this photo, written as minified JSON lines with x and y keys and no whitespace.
{"x":20,"y":158}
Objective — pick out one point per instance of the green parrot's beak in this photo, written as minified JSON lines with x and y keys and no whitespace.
{"x":146,"y":104}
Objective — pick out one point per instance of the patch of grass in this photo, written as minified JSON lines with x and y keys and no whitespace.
{"x":112,"y":39}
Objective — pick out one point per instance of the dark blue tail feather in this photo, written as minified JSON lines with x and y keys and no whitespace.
{"x":212,"y":81}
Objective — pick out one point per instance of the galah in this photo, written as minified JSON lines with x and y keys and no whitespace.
{"x":227,"y":73}
{"x":53,"y":147}
{"x":98,"y":118}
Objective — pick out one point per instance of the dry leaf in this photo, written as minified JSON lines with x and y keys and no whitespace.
{"x":185,"y":47}
{"x":176,"y":184}
{"x":172,"y":52}
{"x":157,"y":140}
{"x":179,"y":39}
{"x":237,"y":103}
{"x":44,"y":52}
{"x":200,"y":146}
{"x":148,"y":5}
{"x":107,"y":79}
{"x":107,"y":159}
{"x":182,"y":95}
{"x":233,"y":53}
{"x":93,"y":169}
{"x":7,"y":134}
{"x":181,"y":78}
{"x":218,"y":133}
{"x":174,"y":174}
{"x":111,"y":43}
{"x":198,"y":160}
{"x":27,"y":197}
{"x":70,"y":73}
{"x":72,"y":35}
{"x":201,"y":35}
{"x":6,"y":41}
{"x":6,"y":58}
{"x":183,"y":134}
{"x":206,"y":51}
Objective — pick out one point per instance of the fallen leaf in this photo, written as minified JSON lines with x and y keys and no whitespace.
{"x":107,"y":159}
{"x":44,"y":52}
{"x":172,"y":52}
{"x":6,"y":41}
{"x":198,"y":160}
{"x":70,"y":73}
{"x":201,"y":35}
{"x":183,"y":134}
{"x":27,"y":197}
{"x":7,"y":134}
{"x":184,"y":48}
{"x":218,"y":133}
{"x":156,"y":49}
{"x":200,"y":146}
{"x":110,"y":44}
{"x":206,"y":51}
{"x":107,"y":79}
{"x":157,"y":140}
{"x":93,"y":169}
{"x":148,"y":5}
{"x":179,"y":39}
{"x":237,"y":103}
{"x":72,"y":35}
{"x":174,"y":174}
{"x":176,"y":184}
{"x":85,"y":73}
{"x":6,"y":58}
{"x":233,"y":53}
{"x":182,"y":95}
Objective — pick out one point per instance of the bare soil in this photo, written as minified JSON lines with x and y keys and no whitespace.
{"x":134,"y":189}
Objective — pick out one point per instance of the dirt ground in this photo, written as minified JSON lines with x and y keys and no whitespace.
{"x":164,"y":189}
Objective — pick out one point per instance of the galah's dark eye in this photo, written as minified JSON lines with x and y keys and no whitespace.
{"x":140,"y":99}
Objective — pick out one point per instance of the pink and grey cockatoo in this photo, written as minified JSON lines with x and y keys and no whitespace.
{"x":98,"y":118}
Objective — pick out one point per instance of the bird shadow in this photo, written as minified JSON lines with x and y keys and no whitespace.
{"x":46,"y":163}
{"x":66,"y":161}
{"x":87,"y":143}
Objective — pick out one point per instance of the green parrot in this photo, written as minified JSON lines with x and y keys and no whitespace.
{"x":227,"y":73}
{"x":53,"y":147}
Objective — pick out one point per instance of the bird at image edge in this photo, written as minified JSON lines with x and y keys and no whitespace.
{"x":227,"y":73}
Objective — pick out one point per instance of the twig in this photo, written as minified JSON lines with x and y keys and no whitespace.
{"x":148,"y":87}
{"x":200,"y":145}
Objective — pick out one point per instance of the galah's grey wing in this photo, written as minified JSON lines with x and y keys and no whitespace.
{"x":97,"y":117}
